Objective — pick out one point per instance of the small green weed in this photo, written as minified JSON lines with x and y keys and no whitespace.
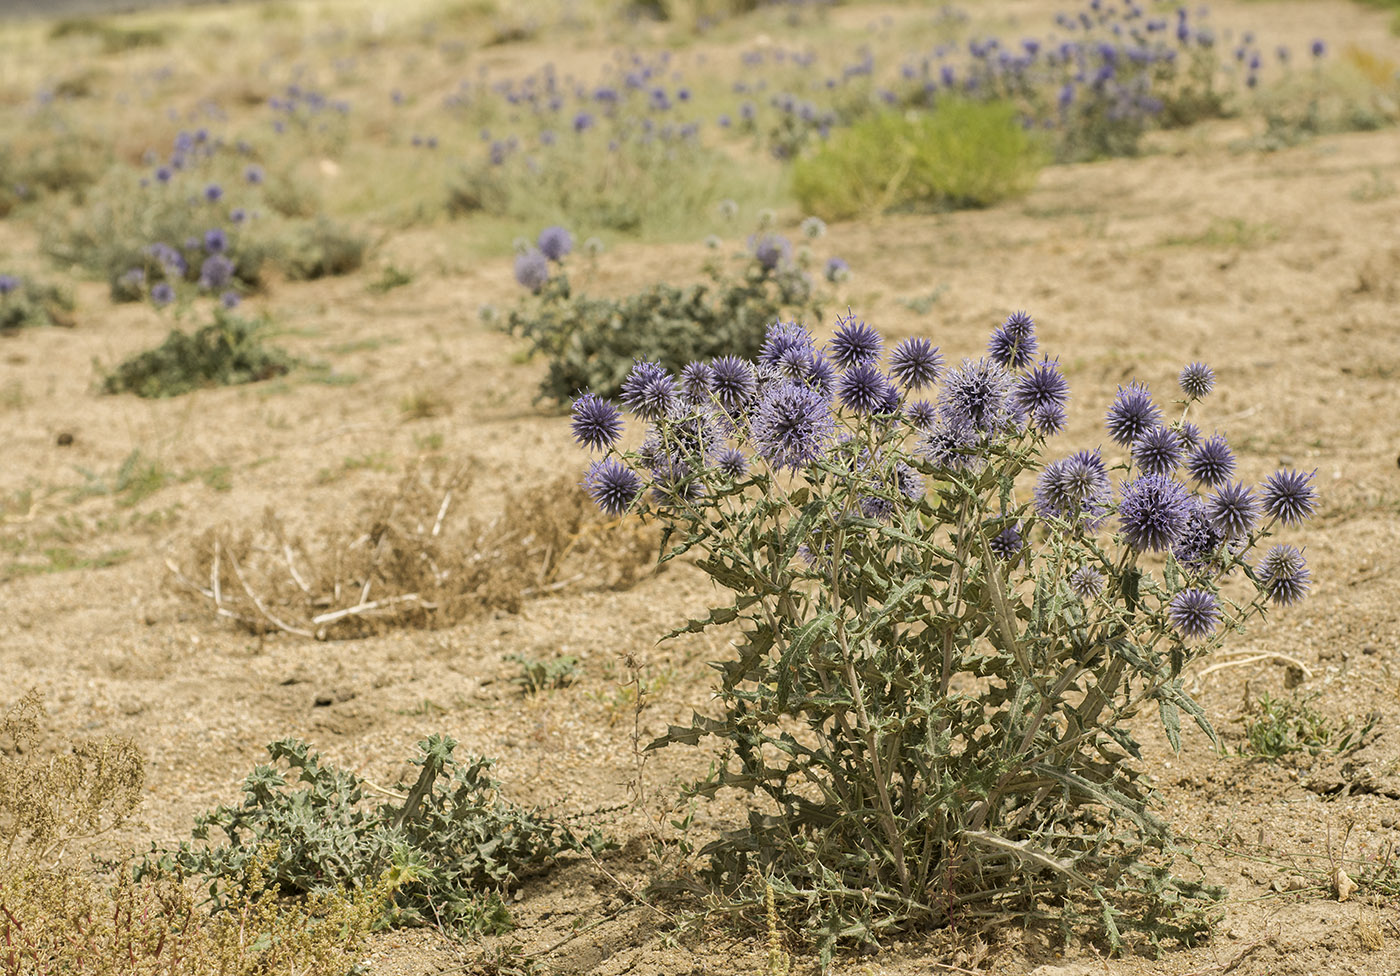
{"x":538,"y":674}
{"x":962,"y":154}
{"x":390,"y":278}
{"x":320,"y":249}
{"x":1278,"y":727}
{"x":226,"y":352}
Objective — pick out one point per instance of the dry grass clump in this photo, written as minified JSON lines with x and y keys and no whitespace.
{"x":403,"y":560}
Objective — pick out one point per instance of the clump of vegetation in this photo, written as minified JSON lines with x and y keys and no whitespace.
{"x":114,"y":38}
{"x":407,"y":560}
{"x":591,"y":343}
{"x":321,"y":248}
{"x":450,"y":843}
{"x":228,"y":351}
{"x":540,"y":674}
{"x":1278,"y":727}
{"x":26,"y":302}
{"x":961,"y":154}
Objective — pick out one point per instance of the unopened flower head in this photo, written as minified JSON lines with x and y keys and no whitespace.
{"x":612,"y":485}
{"x":854,"y":342}
{"x":1086,"y":582}
{"x":697,"y":380}
{"x":597,"y":424}
{"x":1285,"y":575}
{"x":1013,"y":344}
{"x":1196,"y":381}
{"x":1153,"y":512}
{"x":782,"y":339}
{"x":1289,"y":496}
{"x":916,"y":363}
{"x":1007,"y":543}
{"x":1132,"y":414}
{"x":1194,"y":613}
{"x":1198,"y":544}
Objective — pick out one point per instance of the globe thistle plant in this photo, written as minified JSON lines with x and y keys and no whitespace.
{"x":1212,"y":462}
{"x":1013,"y":344}
{"x":854,"y":343}
{"x":1289,"y":496}
{"x":1196,"y":381}
{"x":1132,"y":414}
{"x":915,"y":363}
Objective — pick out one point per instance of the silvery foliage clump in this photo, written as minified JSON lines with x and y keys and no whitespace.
{"x":943,"y":625}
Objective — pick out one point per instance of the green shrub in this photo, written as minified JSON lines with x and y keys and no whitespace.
{"x":25,"y":302}
{"x":114,"y":38}
{"x":320,"y":249}
{"x":226,"y":352}
{"x":1278,"y":727}
{"x":961,"y":154}
{"x":450,"y":843}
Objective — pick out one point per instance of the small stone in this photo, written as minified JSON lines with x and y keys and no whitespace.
{"x":1387,"y":822}
{"x":64,"y":439}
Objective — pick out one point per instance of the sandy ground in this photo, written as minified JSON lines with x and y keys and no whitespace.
{"x":1281,"y":270}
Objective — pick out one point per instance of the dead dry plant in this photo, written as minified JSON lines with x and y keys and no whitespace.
{"x":405,"y":560}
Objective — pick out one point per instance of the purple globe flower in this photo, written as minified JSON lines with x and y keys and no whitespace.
{"x":821,"y":375}
{"x":792,"y":426}
{"x":215,"y":272}
{"x":864,"y":389}
{"x":854,"y":342}
{"x":1013,"y":343}
{"x":649,"y":390}
{"x":921,"y":414}
{"x":597,"y":424}
{"x":253,"y":175}
{"x":1198,"y":546}
{"x":213,"y":193}
{"x":1190,"y":435}
{"x":1196,"y":381}
{"x":780,"y":341}
{"x":1212,"y":462}
{"x":837,"y":270}
{"x":1194,"y":613}
{"x":1075,"y":489}
{"x":1133,"y":414}
{"x":1049,"y":419}
{"x":9,"y":283}
{"x":555,"y":243}
{"x":795,"y":363}
{"x":915,"y":363}
{"x":734,"y":382}
{"x":732,"y":463}
{"x":531,"y":269}
{"x":230,"y":299}
{"x":1289,"y":496}
{"x":612,"y":485}
{"x":215,"y":240}
{"x":1158,"y":451}
{"x":1042,"y":386}
{"x":1153,"y":512}
{"x":949,"y":444}
{"x":771,"y":250}
{"x":1284,"y":575}
{"x":162,"y":294}
{"x":977,"y":395}
{"x":1086,"y":582}
{"x":697,"y":380}
{"x":1233,"y":510}
{"x":909,"y":482}
{"x":1007,"y":543}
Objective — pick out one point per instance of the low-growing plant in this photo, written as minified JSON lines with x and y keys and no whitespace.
{"x":450,"y":844}
{"x":407,"y":559}
{"x":942,"y":636}
{"x":591,"y":343}
{"x":960,"y":154}
{"x":228,"y":351}
{"x":539,"y":674}
{"x":26,"y":302}
{"x":321,"y":248}
{"x":1277,"y":727}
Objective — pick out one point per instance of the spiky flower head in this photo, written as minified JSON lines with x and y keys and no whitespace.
{"x":1132,"y":414}
{"x":1043,"y":385}
{"x":649,"y":390}
{"x":1194,"y":613}
{"x":1049,"y":419}
{"x":1075,"y":489}
{"x":697,"y":380}
{"x":612,"y":485}
{"x":1198,"y":545}
{"x":734,"y":382}
{"x":1196,"y":381}
{"x":771,"y":250}
{"x":1212,"y":462}
{"x":948,"y":444}
{"x":854,"y":342}
{"x":531,"y":269}
{"x":597,"y":424}
{"x":864,"y":389}
{"x":1007,"y":543}
{"x":1158,"y":451}
{"x":215,"y":240}
{"x":1289,"y":496}
{"x":215,"y":272}
{"x":792,"y":426}
{"x":921,"y":414}
{"x":784,"y":339}
{"x":1285,"y":575}
{"x":1013,"y":343}
{"x":837,"y":270}
{"x":1086,"y":582}
{"x":732,"y":463}
{"x":915,"y":363}
{"x":1233,"y":510}
{"x":162,"y":294}
{"x":555,"y":242}
{"x":977,"y":395}
{"x":1190,"y":435}
{"x":821,"y":375}
{"x":813,"y":227}
{"x":1153,"y":511}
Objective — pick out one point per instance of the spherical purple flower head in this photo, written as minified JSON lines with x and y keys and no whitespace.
{"x":612,"y":485}
{"x":977,"y":395}
{"x":215,"y":240}
{"x":782,"y":339}
{"x":697,"y":380}
{"x":215,"y":272}
{"x":921,"y":414}
{"x":792,"y":426}
{"x":1013,"y":343}
{"x":1075,"y":489}
{"x":1158,"y":451}
{"x":213,"y":193}
{"x":555,"y":243}
{"x":1043,"y":385}
{"x":230,"y":299}
{"x":597,"y":424}
{"x":949,"y":444}
{"x":1007,"y":543}
{"x":531,"y":269}
{"x":1198,"y":546}
{"x":821,"y":375}
{"x":770,"y":250}
{"x":1212,"y":462}
{"x":734,"y":382}
{"x":1318,"y":48}
{"x":1086,"y":582}
{"x":1049,"y":419}
{"x":795,"y":364}
{"x":1189,"y":434}
{"x":162,"y":294}
{"x":732,"y":463}
{"x":837,"y":270}
{"x":1153,"y":511}
{"x":863,"y":388}
{"x":1285,"y":575}
{"x":253,"y":175}
{"x":916,"y":363}
{"x":1194,"y":613}
{"x":649,"y":390}
{"x":1133,"y":414}
{"x":1289,"y":496}
{"x":1233,"y":510}
{"x":1196,"y":381}
{"x":9,"y":283}
{"x":854,"y":342}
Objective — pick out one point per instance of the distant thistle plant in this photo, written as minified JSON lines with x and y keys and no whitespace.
{"x":927,"y":694}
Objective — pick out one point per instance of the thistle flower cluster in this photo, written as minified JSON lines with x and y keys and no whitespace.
{"x":873,"y":424}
